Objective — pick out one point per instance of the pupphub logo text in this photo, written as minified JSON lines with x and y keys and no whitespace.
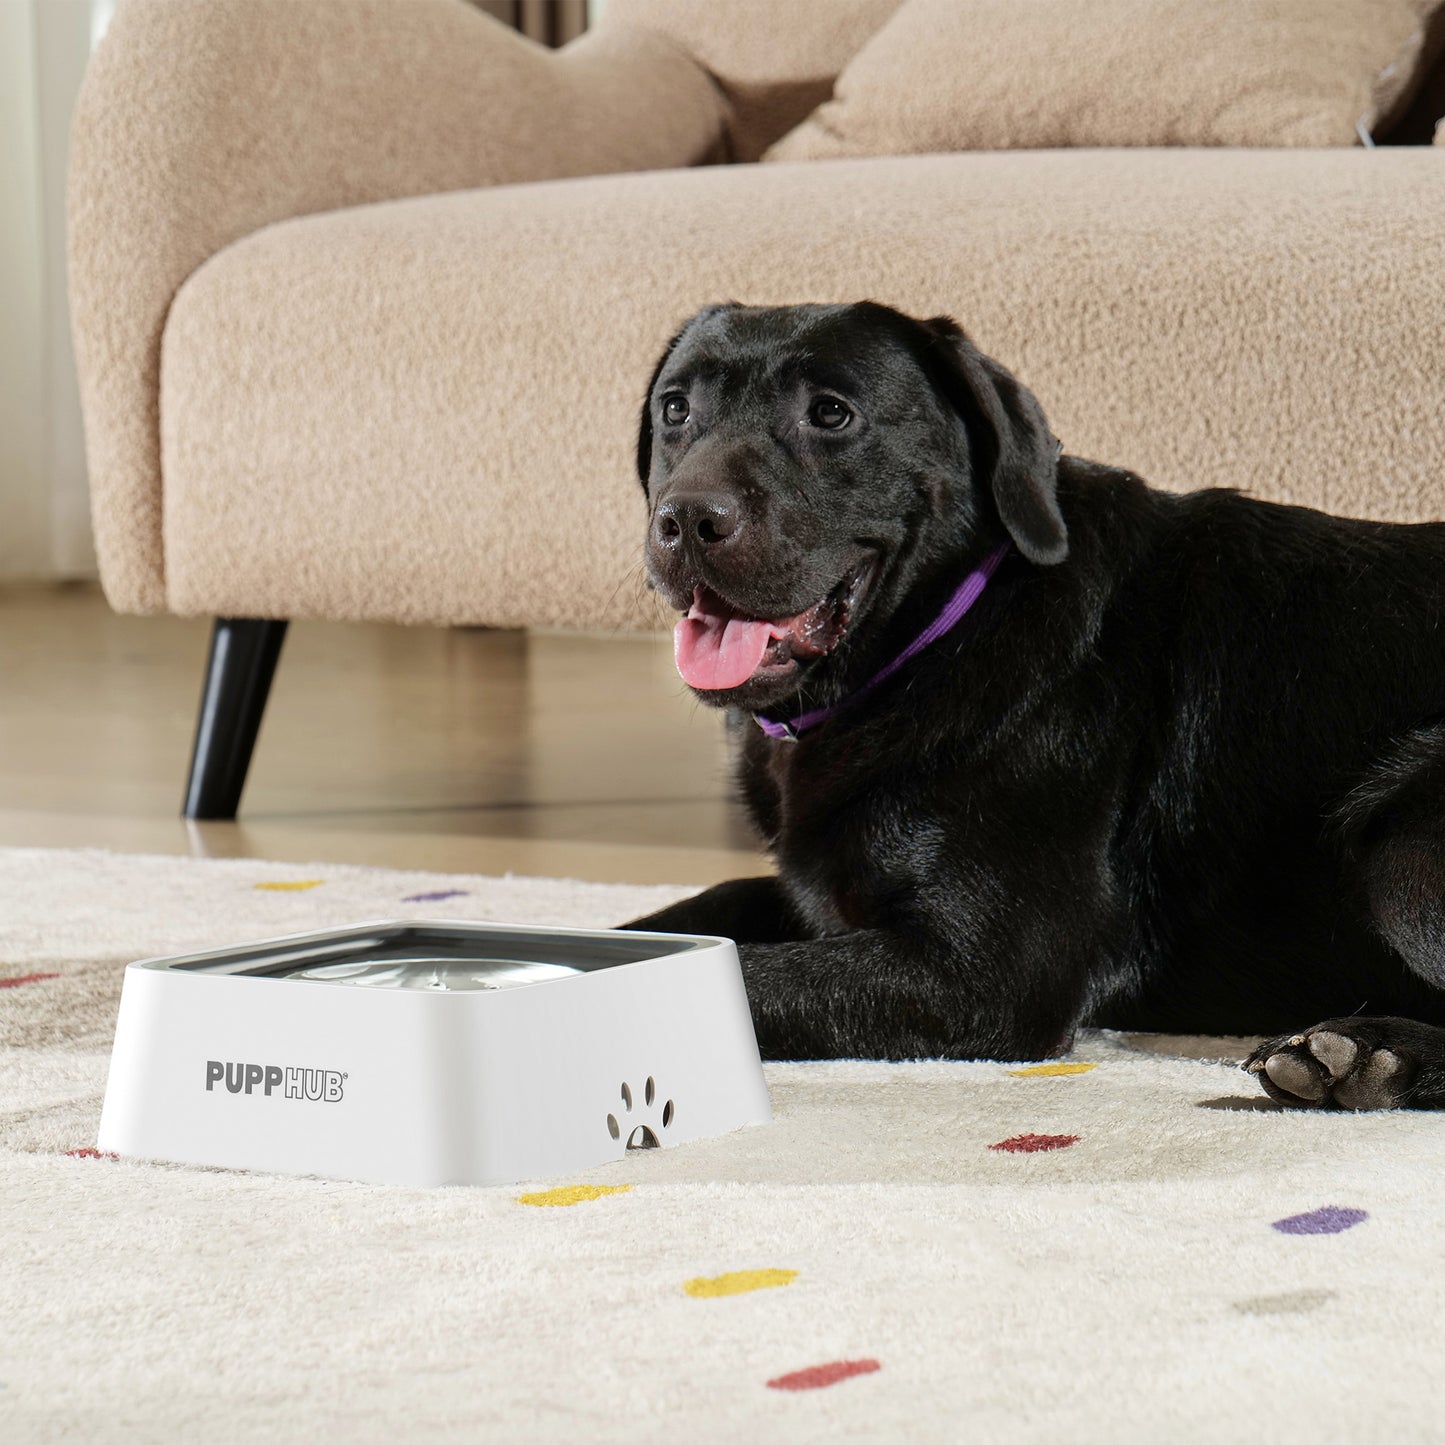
{"x":317,"y":1085}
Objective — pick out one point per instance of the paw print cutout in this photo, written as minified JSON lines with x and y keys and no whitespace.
{"x":640,"y":1135}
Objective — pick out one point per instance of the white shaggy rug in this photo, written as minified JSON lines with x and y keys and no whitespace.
{"x":1139,"y":1249}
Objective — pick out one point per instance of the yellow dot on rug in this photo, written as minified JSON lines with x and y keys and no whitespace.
{"x":571,"y":1194}
{"x":298,"y":886}
{"x":740,"y":1281}
{"x":1035,"y":1071}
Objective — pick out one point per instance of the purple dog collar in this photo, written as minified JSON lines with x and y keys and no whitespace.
{"x":965,"y":595}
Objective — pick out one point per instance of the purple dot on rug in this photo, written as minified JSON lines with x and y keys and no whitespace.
{"x":1330,"y":1219}
{"x":435,"y":897}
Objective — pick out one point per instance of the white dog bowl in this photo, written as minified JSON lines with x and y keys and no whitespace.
{"x":432,"y":1053}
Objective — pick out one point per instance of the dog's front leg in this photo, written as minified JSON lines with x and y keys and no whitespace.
{"x":872,"y":993}
{"x":747,"y":910}
{"x":879,"y":994}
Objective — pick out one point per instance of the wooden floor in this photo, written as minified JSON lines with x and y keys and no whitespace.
{"x":454,"y":750}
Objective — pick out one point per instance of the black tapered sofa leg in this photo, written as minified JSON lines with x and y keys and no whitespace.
{"x":239,"y":670}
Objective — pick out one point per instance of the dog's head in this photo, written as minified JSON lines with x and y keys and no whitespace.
{"x":807,"y":467}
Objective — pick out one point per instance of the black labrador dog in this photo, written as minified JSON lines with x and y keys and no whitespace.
{"x":1037,"y":746}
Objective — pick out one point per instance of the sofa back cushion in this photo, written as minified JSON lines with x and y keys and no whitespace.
{"x":947,"y":75}
{"x":773,"y":60}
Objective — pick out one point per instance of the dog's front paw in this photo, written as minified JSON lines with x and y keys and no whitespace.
{"x":1354,"y":1063}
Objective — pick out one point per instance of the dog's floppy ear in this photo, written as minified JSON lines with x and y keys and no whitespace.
{"x":644,"y":432}
{"x":1020,"y":455}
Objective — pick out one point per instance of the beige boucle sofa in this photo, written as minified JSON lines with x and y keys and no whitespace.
{"x":365,"y":295}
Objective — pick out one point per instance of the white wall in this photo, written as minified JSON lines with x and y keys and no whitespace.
{"x":44,"y":507}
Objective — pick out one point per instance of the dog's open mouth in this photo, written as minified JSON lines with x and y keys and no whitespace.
{"x":717,"y":647}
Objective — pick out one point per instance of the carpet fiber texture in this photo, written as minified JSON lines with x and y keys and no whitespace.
{"x":1128,"y":1244}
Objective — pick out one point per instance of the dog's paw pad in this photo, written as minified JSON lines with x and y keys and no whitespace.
{"x":1379,"y":1083}
{"x":1336,"y":1052}
{"x":1296,"y":1075}
{"x":1328,"y":1066}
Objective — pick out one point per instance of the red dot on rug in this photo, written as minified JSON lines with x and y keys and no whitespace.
{"x":816,"y":1376}
{"x":1034,"y":1143}
{"x":26,"y":978}
{"x":89,"y":1154}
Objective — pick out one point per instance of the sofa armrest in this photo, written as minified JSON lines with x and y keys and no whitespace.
{"x":199,"y":123}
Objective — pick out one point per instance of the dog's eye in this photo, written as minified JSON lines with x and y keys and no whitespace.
{"x":829,"y":413}
{"x":674,"y":409}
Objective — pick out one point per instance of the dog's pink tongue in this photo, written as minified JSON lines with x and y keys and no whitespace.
{"x":714,"y":649}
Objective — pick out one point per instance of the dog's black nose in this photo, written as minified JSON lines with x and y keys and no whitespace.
{"x":705,"y":517}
